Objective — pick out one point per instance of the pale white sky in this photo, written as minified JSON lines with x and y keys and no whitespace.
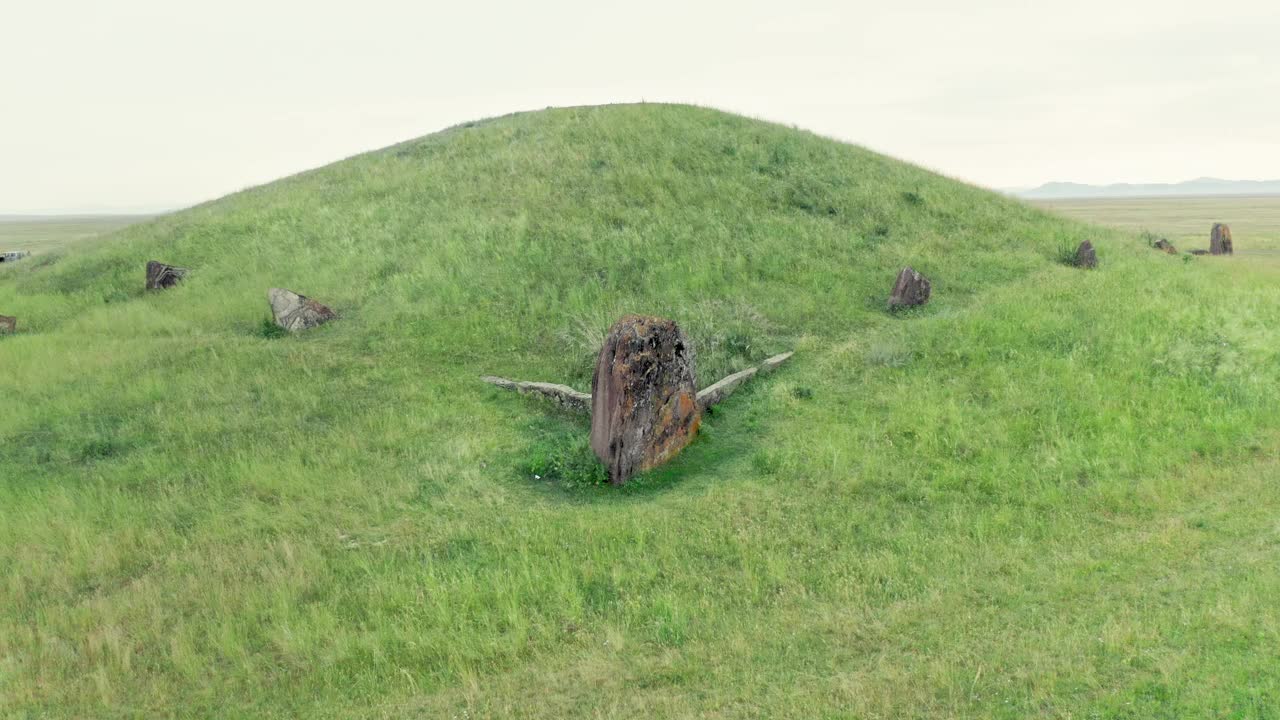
{"x":163,"y":103}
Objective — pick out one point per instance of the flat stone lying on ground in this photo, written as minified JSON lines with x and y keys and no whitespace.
{"x":581,"y":402}
{"x":643,"y":407}
{"x":1198,"y":251}
{"x":644,"y":397}
{"x":1086,"y":256}
{"x":563,"y":394}
{"x":910,"y":289}
{"x":1165,"y":245}
{"x":8,"y":325}
{"x":1220,"y":240}
{"x":295,"y":312}
{"x":161,"y":276}
{"x":713,"y":394}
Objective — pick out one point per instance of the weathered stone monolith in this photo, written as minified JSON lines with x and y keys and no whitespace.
{"x":1165,"y":246}
{"x":1220,"y":239}
{"x":644,"y":397}
{"x":909,"y":290}
{"x":295,"y":312}
{"x":161,"y":276}
{"x":8,"y":325}
{"x":1086,"y":256}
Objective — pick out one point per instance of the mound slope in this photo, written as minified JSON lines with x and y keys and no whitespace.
{"x":968,"y":509}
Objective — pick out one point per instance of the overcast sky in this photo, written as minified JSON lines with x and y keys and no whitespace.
{"x":163,"y":103}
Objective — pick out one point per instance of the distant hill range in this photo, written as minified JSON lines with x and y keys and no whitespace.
{"x":1199,"y":186}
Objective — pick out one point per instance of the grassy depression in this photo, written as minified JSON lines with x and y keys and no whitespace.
{"x":1049,"y":492}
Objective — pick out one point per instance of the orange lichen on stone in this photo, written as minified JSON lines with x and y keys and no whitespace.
{"x":644,"y":407}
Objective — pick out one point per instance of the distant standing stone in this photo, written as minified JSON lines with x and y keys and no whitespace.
{"x":8,"y":325}
{"x":1086,"y":256}
{"x":644,"y":406}
{"x":295,"y":312}
{"x":1165,"y":245}
{"x":161,"y":276}
{"x":911,"y":289}
{"x":1220,"y":240}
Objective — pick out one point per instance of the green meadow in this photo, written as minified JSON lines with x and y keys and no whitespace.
{"x":1050,"y":492}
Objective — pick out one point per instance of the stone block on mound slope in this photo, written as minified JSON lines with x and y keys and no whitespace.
{"x":295,"y":312}
{"x":644,"y":397}
{"x":161,"y":276}
{"x":1086,"y":256}
{"x":910,"y":289}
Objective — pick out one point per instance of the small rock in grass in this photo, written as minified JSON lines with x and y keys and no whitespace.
{"x":295,"y":312}
{"x":909,"y":290}
{"x":161,"y":276}
{"x":644,"y":407}
{"x":1165,"y":246}
{"x":8,"y":325}
{"x":1220,"y":240}
{"x":1086,"y":256}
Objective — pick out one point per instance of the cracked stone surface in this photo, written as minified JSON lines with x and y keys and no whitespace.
{"x":161,"y":276}
{"x":644,"y":398}
{"x":1220,"y":240}
{"x":295,"y":312}
{"x":909,"y":290}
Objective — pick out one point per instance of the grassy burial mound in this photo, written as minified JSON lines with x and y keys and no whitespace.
{"x":1046,"y":492}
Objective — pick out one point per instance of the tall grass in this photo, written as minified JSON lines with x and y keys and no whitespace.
{"x":1048,"y":493}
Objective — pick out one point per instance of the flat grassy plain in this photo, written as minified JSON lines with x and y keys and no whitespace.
{"x":38,"y":234}
{"x":1186,"y":222}
{"x":1049,"y":493}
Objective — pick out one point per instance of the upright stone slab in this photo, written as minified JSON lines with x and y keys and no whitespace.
{"x":295,"y":312}
{"x":644,"y":396}
{"x":1086,"y":256}
{"x":1220,"y":240}
{"x":162,"y":277}
{"x":1165,"y":246}
{"x":8,"y":325}
{"x":909,"y":290}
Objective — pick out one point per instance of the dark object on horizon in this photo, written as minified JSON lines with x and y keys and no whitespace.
{"x":162,"y":277}
{"x":644,"y":396}
{"x":295,"y":312}
{"x":1220,"y":240}
{"x":1086,"y":256}
{"x":13,"y":256}
{"x":1165,"y":245}
{"x":910,"y":289}
{"x":8,"y":325}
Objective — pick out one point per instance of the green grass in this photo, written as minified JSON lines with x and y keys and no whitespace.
{"x":41,"y":234}
{"x":1049,"y":493}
